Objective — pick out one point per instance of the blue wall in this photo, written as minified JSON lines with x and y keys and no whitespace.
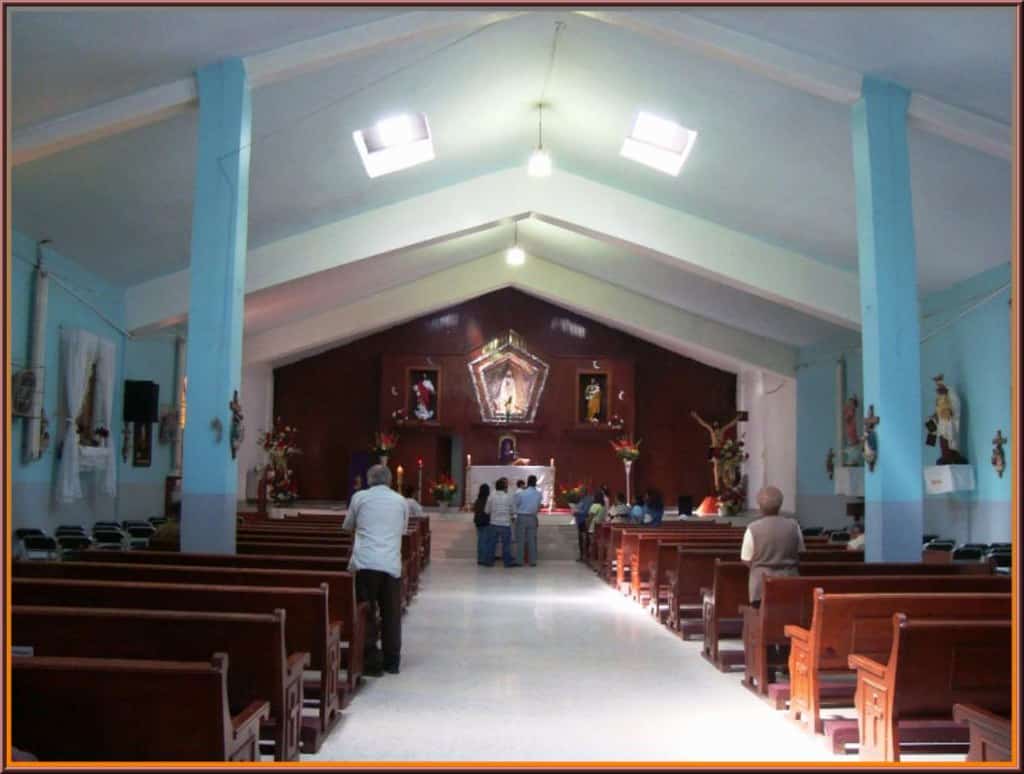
{"x":973,"y":352}
{"x":139,"y":489}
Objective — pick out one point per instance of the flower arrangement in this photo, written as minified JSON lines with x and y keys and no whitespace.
{"x":279,"y":444}
{"x":569,"y":495}
{"x":444,"y":489}
{"x":615,"y":422}
{"x":384,"y":443}
{"x":626,"y":449}
{"x":731,"y":452}
{"x":733,"y":498}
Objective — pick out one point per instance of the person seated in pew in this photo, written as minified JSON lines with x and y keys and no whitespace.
{"x":619,"y":512}
{"x":596,"y":514}
{"x":771,"y":544}
{"x":581,"y":512}
{"x":856,"y":542}
{"x":636,"y":513}
{"x":379,"y":517}
{"x":654,"y":507}
{"x":168,"y":534}
{"x":415,"y":509}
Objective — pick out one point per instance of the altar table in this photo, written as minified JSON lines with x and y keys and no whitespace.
{"x":488,"y":474}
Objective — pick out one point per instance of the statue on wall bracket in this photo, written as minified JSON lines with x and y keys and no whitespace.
{"x":508,"y":381}
{"x":944,"y":425}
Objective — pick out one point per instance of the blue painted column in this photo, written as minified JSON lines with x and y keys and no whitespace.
{"x":216,"y":302}
{"x":890,"y":325}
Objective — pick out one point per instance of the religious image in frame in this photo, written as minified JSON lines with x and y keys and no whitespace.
{"x":593,"y":390}
{"x":507,"y":451}
{"x":423,"y":388}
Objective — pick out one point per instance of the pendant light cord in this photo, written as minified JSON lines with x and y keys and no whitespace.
{"x":559,"y":26}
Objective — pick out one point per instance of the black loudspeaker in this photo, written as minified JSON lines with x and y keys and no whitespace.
{"x":141,"y":401}
{"x":685,"y":505}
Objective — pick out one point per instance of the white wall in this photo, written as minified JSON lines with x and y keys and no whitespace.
{"x":769,"y":433}
{"x":257,"y":396}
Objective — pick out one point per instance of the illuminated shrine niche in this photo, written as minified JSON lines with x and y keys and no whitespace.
{"x":508,"y":380}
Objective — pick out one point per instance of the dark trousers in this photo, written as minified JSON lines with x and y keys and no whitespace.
{"x":581,"y":534}
{"x":384,"y":593}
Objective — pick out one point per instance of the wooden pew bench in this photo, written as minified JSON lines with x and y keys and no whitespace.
{"x":656,"y":557}
{"x":843,"y":624}
{"x":343,"y":610}
{"x":789,"y":600}
{"x":722,"y":601}
{"x":261,"y":668}
{"x":307,"y":627}
{"x":932,"y":666}
{"x":989,"y":732}
{"x":691,"y":571}
{"x":95,"y":709}
{"x":630,"y":543}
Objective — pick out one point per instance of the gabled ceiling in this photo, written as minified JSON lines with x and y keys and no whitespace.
{"x":772,"y":163}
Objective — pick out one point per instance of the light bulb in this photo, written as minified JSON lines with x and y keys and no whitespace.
{"x":515,"y":256}
{"x":540,"y":164}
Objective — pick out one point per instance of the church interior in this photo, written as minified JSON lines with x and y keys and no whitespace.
{"x":691,"y":270}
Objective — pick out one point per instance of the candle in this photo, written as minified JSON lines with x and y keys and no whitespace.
{"x":552,"y":462}
{"x":469,"y":460}
{"x":401,"y":472}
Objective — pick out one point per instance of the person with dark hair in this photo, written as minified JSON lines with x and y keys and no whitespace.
{"x":415,"y":509}
{"x":636,"y":513}
{"x":379,"y":517}
{"x":501,"y":510}
{"x":527,"y":502}
{"x":654,"y":508}
{"x":483,"y":526}
{"x":581,"y":512}
{"x":619,"y":512}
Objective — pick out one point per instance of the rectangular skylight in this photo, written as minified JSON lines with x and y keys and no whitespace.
{"x":394,"y":143}
{"x":659,"y":143}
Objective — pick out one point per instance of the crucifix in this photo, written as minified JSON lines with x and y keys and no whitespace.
{"x":998,"y":457}
{"x":716,"y":436}
{"x":870,"y":447}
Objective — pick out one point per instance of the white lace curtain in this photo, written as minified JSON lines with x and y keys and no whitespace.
{"x":79,"y":349}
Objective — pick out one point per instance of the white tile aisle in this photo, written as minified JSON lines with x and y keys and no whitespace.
{"x":548,"y":663}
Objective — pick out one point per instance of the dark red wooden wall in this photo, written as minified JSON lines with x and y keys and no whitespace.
{"x":339,"y":398}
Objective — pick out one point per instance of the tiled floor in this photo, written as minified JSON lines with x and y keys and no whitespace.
{"x":549,"y":664}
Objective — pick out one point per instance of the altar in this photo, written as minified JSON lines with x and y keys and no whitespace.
{"x":488,"y":474}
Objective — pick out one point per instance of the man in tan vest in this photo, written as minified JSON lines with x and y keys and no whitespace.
{"x":771,"y":544}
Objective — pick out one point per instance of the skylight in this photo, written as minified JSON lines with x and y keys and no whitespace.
{"x":659,"y":143}
{"x":394,"y":143}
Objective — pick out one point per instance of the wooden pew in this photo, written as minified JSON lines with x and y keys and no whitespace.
{"x":261,"y":668}
{"x":272,"y":561}
{"x":630,"y":542}
{"x":298,"y":549}
{"x":307,"y":627}
{"x":789,"y":600}
{"x":653,"y":557}
{"x":989,"y":732}
{"x":97,"y":709}
{"x":691,"y":571}
{"x":932,"y":665}
{"x":842,"y":624}
{"x":343,"y":610}
{"x":728,"y":593}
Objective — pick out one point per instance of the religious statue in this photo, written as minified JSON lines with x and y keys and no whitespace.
{"x":424,"y":392}
{"x":716,"y":435}
{"x":507,"y":451}
{"x":853,"y":448}
{"x":592,"y":394}
{"x":998,"y":456}
{"x":944,"y":424}
{"x":237,"y":428}
{"x":505,"y":403}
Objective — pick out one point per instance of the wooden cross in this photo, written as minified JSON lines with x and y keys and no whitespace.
{"x":998,"y":440}
{"x":871,"y":420}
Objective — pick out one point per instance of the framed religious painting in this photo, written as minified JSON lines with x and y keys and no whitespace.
{"x":593,"y":397}
{"x":142,"y":445}
{"x":423,"y":395}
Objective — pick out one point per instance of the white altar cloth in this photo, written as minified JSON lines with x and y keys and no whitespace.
{"x":488,"y":474}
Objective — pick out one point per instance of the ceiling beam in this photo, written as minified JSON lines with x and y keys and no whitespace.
{"x":719,"y":345}
{"x":162,"y":102}
{"x":804,"y":73}
{"x":565,"y":200}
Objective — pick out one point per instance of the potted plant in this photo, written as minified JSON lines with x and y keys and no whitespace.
{"x":443,"y":491}
{"x":383,"y":445}
{"x":279,"y":480}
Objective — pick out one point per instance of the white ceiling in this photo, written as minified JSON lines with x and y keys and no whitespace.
{"x":771,"y":162}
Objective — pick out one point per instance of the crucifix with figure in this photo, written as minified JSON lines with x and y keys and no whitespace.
{"x":716,"y":437}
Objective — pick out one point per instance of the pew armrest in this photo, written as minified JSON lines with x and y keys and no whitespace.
{"x":297,"y":662}
{"x":868,"y":665}
{"x":797,"y":633}
{"x":248,"y":719}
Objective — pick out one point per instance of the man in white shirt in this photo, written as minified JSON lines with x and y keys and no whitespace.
{"x":527,"y":502}
{"x":415,"y":509}
{"x":502,"y":508}
{"x":379,"y":517}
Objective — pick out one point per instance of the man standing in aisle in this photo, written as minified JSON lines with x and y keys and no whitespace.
{"x":581,"y":511}
{"x":502,"y":509}
{"x":527,"y":505}
{"x":379,"y":517}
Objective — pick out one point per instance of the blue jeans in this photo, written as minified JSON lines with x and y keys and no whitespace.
{"x":504,"y":534}
{"x":483,"y":542}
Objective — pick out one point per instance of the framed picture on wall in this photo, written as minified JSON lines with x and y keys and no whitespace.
{"x":593,"y":397}
{"x":142,"y":445}
{"x":423,"y":394}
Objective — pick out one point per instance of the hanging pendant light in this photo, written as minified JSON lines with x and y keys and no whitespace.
{"x":515,"y":256}
{"x":540,"y":159}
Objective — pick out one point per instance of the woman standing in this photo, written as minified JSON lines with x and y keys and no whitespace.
{"x":483,"y":525}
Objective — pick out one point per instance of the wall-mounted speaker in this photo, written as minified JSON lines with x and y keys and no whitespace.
{"x":141,"y":401}
{"x":685,"y":505}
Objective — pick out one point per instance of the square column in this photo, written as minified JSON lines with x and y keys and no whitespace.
{"x":890,"y":334}
{"x":220,"y":214}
